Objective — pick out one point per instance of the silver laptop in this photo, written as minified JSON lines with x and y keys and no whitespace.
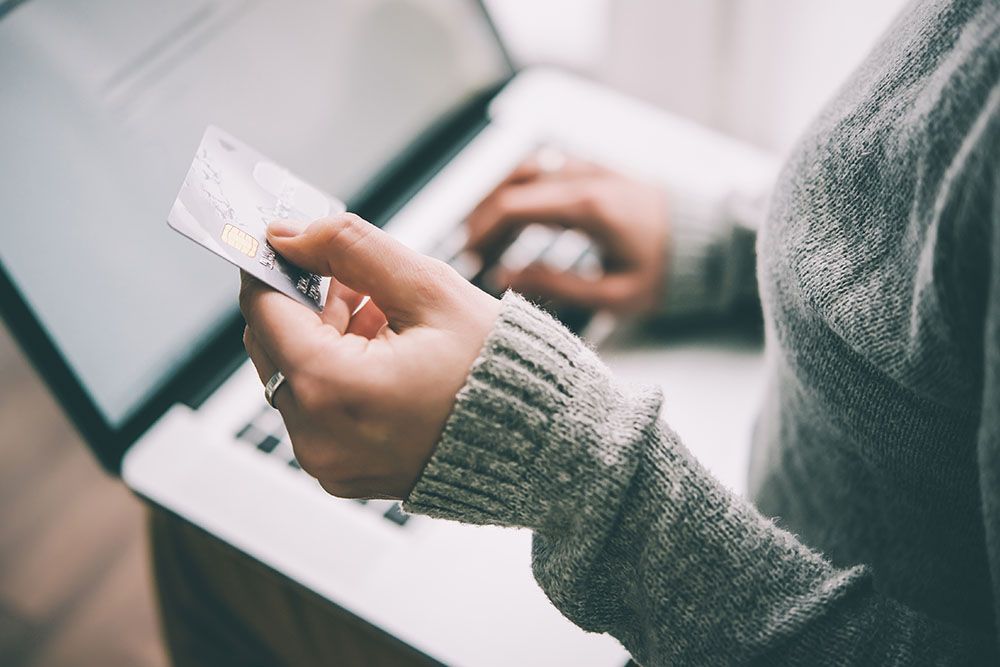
{"x":410,"y":110}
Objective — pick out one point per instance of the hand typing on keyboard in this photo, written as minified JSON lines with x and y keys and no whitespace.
{"x":627,"y":219}
{"x":367,"y":390}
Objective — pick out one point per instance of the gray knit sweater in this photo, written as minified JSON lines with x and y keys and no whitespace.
{"x":878,"y":448}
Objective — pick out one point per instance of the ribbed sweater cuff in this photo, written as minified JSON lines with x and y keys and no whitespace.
{"x":699,"y":234}
{"x":537,"y":408}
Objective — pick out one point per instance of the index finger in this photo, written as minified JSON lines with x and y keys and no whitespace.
{"x":564,"y":203}
{"x":287,"y":331}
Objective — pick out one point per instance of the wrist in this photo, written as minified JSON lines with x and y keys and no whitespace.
{"x":694,"y":257}
{"x":538,"y":409}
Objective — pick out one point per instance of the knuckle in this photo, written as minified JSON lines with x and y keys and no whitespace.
{"x":496,"y":211}
{"x":474,"y":226}
{"x":369,"y":392}
{"x":312,"y":402}
{"x":483,"y":222}
{"x":344,"y":227}
{"x":353,"y":219}
{"x":355,"y":403}
{"x":343,"y":231}
{"x":593,"y":202}
{"x":311,"y":392}
{"x":503,"y":201}
{"x":338,"y":220}
{"x":431,"y":280}
{"x":314,"y":456}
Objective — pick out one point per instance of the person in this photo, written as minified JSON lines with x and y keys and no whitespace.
{"x":872,"y":535}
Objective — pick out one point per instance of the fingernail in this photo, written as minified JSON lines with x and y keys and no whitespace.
{"x":286,"y":228}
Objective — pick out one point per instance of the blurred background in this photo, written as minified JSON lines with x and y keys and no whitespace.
{"x":75,"y":584}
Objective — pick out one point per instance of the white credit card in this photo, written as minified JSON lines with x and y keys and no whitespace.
{"x":230,"y":194}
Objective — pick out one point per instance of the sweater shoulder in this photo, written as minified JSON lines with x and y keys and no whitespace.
{"x":877,"y":223}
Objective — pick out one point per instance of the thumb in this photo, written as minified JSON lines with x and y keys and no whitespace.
{"x":362,"y":257}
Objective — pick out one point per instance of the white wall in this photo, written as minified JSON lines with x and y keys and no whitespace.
{"x":758,"y":69}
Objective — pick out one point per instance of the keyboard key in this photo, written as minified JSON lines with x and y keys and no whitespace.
{"x":568,"y":248}
{"x":268,"y":444}
{"x":529,"y":245}
{"x":589,"y":265}
{"x":396,"y":514}
{"x":250,"y":433}
{"x":526,"y":249}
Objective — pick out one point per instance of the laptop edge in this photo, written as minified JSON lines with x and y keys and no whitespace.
{"x":197,"y":377}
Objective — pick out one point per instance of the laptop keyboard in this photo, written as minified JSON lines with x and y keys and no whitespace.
{"x":266,"y":432}
{"x":559,"y":249}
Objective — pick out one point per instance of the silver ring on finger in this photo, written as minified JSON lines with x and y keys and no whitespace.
{"x":273,"y":384}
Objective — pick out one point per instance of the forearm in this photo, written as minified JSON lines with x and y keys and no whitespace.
{"x":633,"y":536}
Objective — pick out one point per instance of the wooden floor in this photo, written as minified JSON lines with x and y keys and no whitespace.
{"x":75,"y":585}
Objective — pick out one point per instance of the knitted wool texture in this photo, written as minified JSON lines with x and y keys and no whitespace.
{"x":878,"y":445}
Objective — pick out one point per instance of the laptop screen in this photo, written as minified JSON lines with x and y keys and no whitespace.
{"x":103,"y":104}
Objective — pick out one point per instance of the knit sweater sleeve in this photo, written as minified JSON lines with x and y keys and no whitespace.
{"x":632,"y":536}
{"x":710,"y":253}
